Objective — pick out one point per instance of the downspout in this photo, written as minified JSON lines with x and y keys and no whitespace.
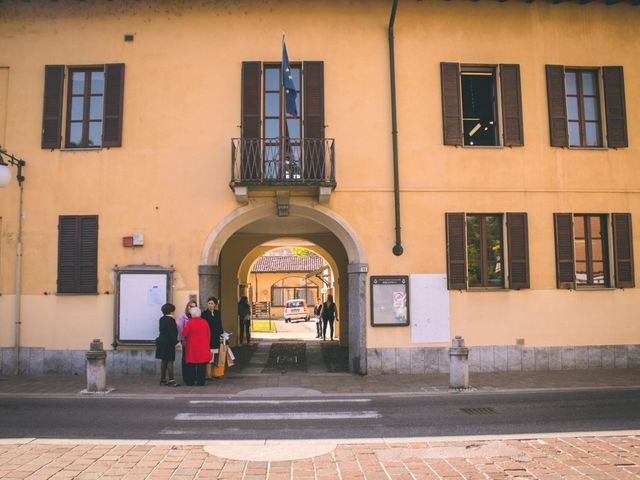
{"x":397,"y":248}
{"x":16,"y":349}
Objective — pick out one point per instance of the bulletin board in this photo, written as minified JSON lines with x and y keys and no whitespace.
{"x":429,"y":308}
{"x":389,"y":301}
{"x":140,"y":292}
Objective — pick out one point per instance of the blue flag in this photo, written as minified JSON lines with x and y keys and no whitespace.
{"x":288,"y":85}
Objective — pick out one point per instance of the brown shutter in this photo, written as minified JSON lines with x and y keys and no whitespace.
{"x":558,"y":129}
{"x":52,"y":110}
{"x":623,"y":250}
{"x":565,"y":272}
{"x":77,"y":254}
{"x":451,"y":103}
{"x":511,"y":105}
{"x":313,"y":110}
{"x":456,"y":251}
{"x":250,"y":115}
{"x":615,"y":109}
{"x":88,"y":254}
{"x":518,"y":250}
{"x":113,"y":105}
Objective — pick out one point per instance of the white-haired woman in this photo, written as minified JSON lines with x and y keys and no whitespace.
{"x":197,"y":336}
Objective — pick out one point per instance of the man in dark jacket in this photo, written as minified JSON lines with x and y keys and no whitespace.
{"x":212,"y":316}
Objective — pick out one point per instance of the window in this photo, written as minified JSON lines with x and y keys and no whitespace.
{"x":94,"y":99}
{"x":273,"y":147}
{"x":78,"y":254}
{"x":484,"y":251}
{"x":582,"y":101}
{"x":291,"y":288}
{"x":481,"y":105}
{"x":84,"y":110}
{"x":282,"y":134}
{"x":477,"y":255}
{"x":583,"y":250}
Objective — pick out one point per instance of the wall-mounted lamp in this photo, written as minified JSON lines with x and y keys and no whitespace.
{"x":6,"y":159}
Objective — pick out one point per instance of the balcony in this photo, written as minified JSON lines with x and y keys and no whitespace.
{"x":266,"y":166}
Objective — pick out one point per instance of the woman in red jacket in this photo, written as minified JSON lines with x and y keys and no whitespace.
{"x":197,"y":335}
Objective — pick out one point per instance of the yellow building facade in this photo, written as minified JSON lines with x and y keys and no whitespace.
{"x":154,"y":136}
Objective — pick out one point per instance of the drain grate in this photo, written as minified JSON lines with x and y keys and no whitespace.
{"x":479,"y":410}
{"x":287,"y":360}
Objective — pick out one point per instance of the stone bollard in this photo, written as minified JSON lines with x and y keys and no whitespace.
{"x":458,"y":364}
{"x":96,"y":367}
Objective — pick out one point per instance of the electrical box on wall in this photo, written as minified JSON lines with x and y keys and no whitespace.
{"x":138,"y":239}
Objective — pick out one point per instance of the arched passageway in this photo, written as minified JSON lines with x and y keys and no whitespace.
{"x":240,"y":235}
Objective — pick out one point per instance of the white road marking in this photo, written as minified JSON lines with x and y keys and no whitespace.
{"x":279,"y":402}
{"x":277,"y":416}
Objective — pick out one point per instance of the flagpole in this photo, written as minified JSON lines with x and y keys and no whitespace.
{"x":283,"y":113}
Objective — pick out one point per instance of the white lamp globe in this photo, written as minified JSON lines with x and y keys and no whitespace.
{"x":5,"y":175}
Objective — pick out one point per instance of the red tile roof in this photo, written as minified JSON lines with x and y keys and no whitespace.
{"x":287,"y":263}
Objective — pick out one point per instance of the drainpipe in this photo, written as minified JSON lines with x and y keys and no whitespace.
{"x":397,"y":248}
{"x":16,"y":348}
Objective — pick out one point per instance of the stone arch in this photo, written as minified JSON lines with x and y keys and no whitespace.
{"x":209,"y":270}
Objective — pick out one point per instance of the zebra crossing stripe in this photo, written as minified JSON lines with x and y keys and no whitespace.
{"x":276,"y":416}
{"x":278,"y":402}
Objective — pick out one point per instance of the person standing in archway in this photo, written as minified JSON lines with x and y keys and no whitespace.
{"x":244,"y":317}
{"x":212,"y":316}
{"x":316,"y":313}
{"x":328,"y":314}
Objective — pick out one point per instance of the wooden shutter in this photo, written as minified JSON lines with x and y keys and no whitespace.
{"x":250,"y":117}
{"x":313,"y":110}
{"x":52,"y":110}
{"x":451,"y":103}
{"x":623,"y":250}
{"x":518,"y":250}
{"x":456,"y":251}
{"x":565,"y":272}
{"x":511,"y":105}
{"x":78,"y":254}
{"x":615,"y":109}
{"x":558,"y":129}
{"x":113,"y":105}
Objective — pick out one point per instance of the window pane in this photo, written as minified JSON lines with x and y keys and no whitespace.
{"x":272,"y":78}
{"x":596,"y":250}
{"x":97,"y":82}
{"x":77,"y":108}
{"x":293,"y":126}
{"x":272,"y":128}
{"x":581,"y":273}
{"x":95,"y":109}
{"x":595,"y":222}
{"x":598,"y":273}
{"x":588,"y":83}
{"x":75,"y":134}
{"x":580,"y":251}
{"x":295,"y":73}
{"x":572,"y":108}
{"x":473,"y":250}
{"x":574,"y":134}
{"x":272,"y":104}
{"x":578,"y":226}
{"x":95,"y":134}
{"x":77,"y":86}
{"x":592,"y":130}
{"x":590,"y":108}
{"x":570,"y":83}
{"x":494,"y":249}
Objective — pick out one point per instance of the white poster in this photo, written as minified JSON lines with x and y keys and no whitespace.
{"x":141,"y":296}
{"x":429,"y":308}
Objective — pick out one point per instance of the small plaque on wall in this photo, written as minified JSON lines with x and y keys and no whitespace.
{"x":389,"y":301}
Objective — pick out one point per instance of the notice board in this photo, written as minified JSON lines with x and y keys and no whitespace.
{"x":140,"y":293}
{"x":429,"y":308}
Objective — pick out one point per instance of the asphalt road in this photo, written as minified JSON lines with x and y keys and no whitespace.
{"x":320,"y":417}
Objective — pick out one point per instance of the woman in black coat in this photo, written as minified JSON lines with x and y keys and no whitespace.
{"x":214,"y":320}
{"x":166,"y":344}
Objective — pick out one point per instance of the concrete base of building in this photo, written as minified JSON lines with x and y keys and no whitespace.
{"x":503,"y":358}
{"x":418,"y":360}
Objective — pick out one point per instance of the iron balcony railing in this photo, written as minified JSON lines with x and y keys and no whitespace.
{"x":283,"y":161}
